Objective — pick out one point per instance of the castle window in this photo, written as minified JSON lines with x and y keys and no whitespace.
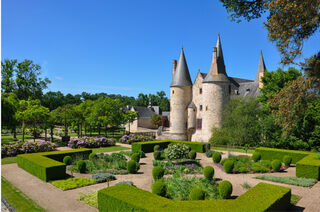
{"x":200,"y":90}
{"x":206,"y":108}
{"x":172,"y":91}
{"x":199,"y":124}
{"x":200,"y":107}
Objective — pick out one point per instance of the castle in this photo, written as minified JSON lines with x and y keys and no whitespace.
{"x":196,"y":108}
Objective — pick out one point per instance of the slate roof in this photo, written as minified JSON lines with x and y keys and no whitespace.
{"x":182,"y":75}
{"x":144,"y":111}
{"x":261,"y":67}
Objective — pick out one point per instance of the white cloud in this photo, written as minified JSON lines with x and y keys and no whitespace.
{"x":58,"y":78}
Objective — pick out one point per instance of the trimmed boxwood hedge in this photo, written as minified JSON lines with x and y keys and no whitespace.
{"x":262,"y":197}
{"x":307,"y":164}
{"x":48,"y":165}
{"x":148,"y":146}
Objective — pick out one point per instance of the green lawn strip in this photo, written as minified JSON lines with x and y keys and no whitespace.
{"x":5,"y":139}
{"x":109,"y":149}
{"x":72,"y":183}
{"x":294,"y":199}
{"x":8,"y":160}
{"x":298,"y":181}
{"x":232,"y":149}
{"x":18,"y":200}
{"x":90,"y":198}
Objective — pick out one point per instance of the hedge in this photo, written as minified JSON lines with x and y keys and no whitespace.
{"x":262,"y":197}
{"x":48,"y":165}
{"x":148,"y":146}
{"x":307,"y":163}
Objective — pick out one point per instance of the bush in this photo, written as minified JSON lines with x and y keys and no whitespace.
{"x":177,"y":151}
{"x":209,"y":153}
{"x":82,"y":166}
{"x":287,"y":160}
{"x":228,"y":166}
{"x":128,"y":139}
{"x":157,"y":155}
{"x":93,"y":156}
{"x":276,"y":165}
{"x":256,"y":156}
{"x":141,"y":153}
{"x":132,"y":167}
{"x":192,"y":155}
{"x":13,"y":149}
{"x":156,"y":148}
{"x":225,"y":189}
{"x":91,"y":142}
{"x":197,"y":194}
{"x":208,"y":172}
{"x":67,"y":160}
{"x":216,"y":157}
{"x":117,"y":157}
{"x":159,"y":188}
{"x":103,"y":177}
{"x":243,"y":170}
{"x":125,"y":182}
{"x":72,"y":183}
{"x":135,"y":157}
{"x":157,"y":172}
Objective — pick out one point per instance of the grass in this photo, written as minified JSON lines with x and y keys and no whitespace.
{"x":18,"y":200}
{"x":109,"y":149}
{"x":233,"y":149}
{"x":298,"y":181}
{"x":8,"y":160}
{"x":294,"y":199}
{"x":72,"y":183}
{"x":90,"y":198}
{"x":246,"y":186}
{"x":5,"y":139}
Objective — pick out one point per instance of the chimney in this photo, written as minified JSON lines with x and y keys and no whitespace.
{"x":174,"y":67}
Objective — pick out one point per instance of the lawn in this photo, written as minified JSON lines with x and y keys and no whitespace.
{"x":18,"y":200}
{"x":298,"y":181}
{"x":109,"y":149}
{"x":233,"y":149}
{"x":5,"y":139}
{"x":8,"y":160}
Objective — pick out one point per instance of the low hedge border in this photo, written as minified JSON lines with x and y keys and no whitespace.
{"x":48,"y":165}
{"x":148,"y":146}
{"x":307,"y":163}
{"x":262,"y":197}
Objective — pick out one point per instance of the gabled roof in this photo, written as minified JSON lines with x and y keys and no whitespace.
{"x":261,"y":67}
{"x":144,"y":111}
{"x":182,"y":75}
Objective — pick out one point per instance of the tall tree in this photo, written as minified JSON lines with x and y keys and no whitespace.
{"x":53,"y":100}
{"x":8,"y":69}
{"x":9,"y":106}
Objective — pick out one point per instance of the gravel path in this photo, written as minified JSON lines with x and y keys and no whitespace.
{"x":54,"y":199}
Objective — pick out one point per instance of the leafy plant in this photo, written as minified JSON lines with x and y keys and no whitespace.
{"x":192,"y":155}
{"x":298,"y":181}
{"x":103,"y":177}
{"x":256,"y":156}
{"x":72,"y":183}
{"x":216,"y":157}
{"x":132,"y":167}
{"x":177,"y":151}
{"x":135,"y":157}
{"x":197,"y":194}
{"x":81,"y":165}
{"x":90,"y":198}
{"x":67,"y":160}
{"x":208,"y":172}
{"x":157,"y":172}
{"x":159,"y":188}
{"x":287,"y":160}
{"x":225,"y":189}
{"x":209,"y":153}
{"x":276,"y":165}
{"x":228,"y":166}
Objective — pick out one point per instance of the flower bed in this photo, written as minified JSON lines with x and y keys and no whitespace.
{"x":185,"y":167}
{"x":19,"y":147}
{"x":91,"y":142}
{"x":128,"y":139}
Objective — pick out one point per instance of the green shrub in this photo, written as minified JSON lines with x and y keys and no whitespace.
{"x":225,"y":189}
{"x":177,"y":151}
{"x":103,"y":177}
{"x":157,"y":155}
{"x":117,"y":157}
{"x":192,"y":155}
{"x":228,"y":166}
{"x":141,"y":153}
{"x":159,"y":188}
{"x":287,"y":160}
{"x":125,"y":182}
{"x":243,"y":170}
{"x":72,"y":183}
{"x":135,"y":157}
{"x":209,"y":153}
{"x":208,"y":172}
{"x":93,"y":156}
{"x":216,"y":157}
{"x":132,"y":167}
{"x":276,"y":165}
{"x":67,"y":160}
{"x":156,"y":148}
{"x":157,"y":172}
{"x":197,"y":194}
{"x":256,"y":156}
{"x":82,"y":166}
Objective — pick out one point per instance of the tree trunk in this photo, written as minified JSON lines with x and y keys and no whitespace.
{"x":51,"y":132}
{"x":23,"y":131}
{"x":34,"y":133}
{"x":85,"y":130}
{"x":81,"y":130}
{"x":106,"y":131}
{"x":14,"y":132}
{"x":99,"y":129}
{"x":45,"y":134}
{"x":129,"y":127}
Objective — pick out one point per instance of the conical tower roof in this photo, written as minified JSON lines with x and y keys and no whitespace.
{"x":217,"y":70}
{"x":261,"y":67}
{"x":182,"y":75}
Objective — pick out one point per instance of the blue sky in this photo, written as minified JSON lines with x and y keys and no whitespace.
{"x":127,"y":47}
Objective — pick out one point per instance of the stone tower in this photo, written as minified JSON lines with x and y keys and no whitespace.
{"x":261,"y":70}
{"x":216,"y":92}
{"x":180,"y":97}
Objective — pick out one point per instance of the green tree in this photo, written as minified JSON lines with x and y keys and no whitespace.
{"x":129,"y":117}
{"x":156,"y":119}
{"x":53,"y":100}
{"x":8,"y":68}
{"x":9,"y":106}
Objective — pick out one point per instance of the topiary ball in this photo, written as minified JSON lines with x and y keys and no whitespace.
{"x":208,"y":172}
{"x":132,"y":167}
{"x":287,"y":160}
{"x":157,"y":172}
{"x":82,"y":166}
{"x":157,"y":155}
{"x":67,"y":160}
{"x":135,"y":157}
{"x":159,"y":188}
{"x":256,"y":156}
{"x":228,"y":166}
{"x":156,"y":148}
{"x":197,"y":194}
{"x":216,"y":157}
{"x":192,"y":154}
{"x":225,"y":189}
{"x":93,"y":156}
{"x":276,"y":165}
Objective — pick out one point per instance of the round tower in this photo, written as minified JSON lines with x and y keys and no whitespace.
{"x":180,"y":97}
{"x":216,"y":93}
